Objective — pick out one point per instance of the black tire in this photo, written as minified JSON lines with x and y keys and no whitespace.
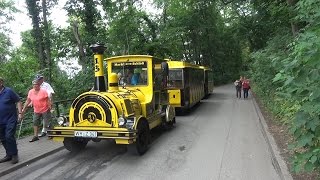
{"x":169,"y":120}
{"x":143,"y":139}
{"x":73,"y":145}
{"x":168,"y":125}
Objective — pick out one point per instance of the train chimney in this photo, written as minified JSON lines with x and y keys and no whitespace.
{"x":99,"y":83}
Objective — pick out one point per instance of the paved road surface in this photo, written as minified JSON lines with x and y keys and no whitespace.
{"x":221,"y":139}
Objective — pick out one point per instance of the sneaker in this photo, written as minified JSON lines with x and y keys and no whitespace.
{"x":35,"y":138}
{"x":15,"y":159}
{"x":5,"y":159}
{"x":42,"y":134}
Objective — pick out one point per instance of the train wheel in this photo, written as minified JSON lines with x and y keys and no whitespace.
{"x":170,"y":119}
{"x":143,"y":139}
{"x":73,"y":145}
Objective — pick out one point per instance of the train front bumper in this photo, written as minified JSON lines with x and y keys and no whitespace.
{"x":120,"y":135}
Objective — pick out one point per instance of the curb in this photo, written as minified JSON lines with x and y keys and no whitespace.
{"x":277,"y":161}
{"x":31,"y":160}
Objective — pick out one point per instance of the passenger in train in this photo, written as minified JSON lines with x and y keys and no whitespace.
{"x":120,"y":79}
{"x":135,"y":77}
{"x":129,"y":75}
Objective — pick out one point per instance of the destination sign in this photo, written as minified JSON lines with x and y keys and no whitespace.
{"x":138,"y":63}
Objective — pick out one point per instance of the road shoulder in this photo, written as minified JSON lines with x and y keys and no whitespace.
{"x":277,"y":160}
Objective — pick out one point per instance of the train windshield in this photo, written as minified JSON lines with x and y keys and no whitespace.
{"x":175,"y":78}
{"x":131,"y":73}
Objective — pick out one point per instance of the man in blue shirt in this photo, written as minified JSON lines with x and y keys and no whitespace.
{"x":8,"y":122}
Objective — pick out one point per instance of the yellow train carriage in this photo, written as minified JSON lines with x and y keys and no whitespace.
{"x":208,"y":80}
{"x":134,"y":101}
{"x":185,"y":84}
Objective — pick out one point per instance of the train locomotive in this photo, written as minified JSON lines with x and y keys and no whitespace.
{"x":125,"y":107}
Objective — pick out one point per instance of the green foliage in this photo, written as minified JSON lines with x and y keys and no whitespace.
{"x":294,"y":65}
{"x":301,"y":81}
{"x":6,"y":11}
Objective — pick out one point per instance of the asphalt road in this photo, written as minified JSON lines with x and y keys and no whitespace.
{"x":221,"y":139}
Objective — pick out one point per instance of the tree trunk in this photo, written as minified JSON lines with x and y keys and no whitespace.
{"x":184,"y":45}
{"x":47,"y":44}
{"x":82,"y":56}
{"x":294,"y":26}
{"x":34,"y":11}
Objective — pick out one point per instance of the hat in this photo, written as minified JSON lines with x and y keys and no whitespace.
{"x":34,"y":82}
{"x":38,"y":77}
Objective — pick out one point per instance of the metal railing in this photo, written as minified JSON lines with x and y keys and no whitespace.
{"x":60,"y":108}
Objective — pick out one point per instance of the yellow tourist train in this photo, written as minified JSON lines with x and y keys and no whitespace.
{"x":134,"y":101}
{"x":188,"y":84}
{"x":208,"y":80}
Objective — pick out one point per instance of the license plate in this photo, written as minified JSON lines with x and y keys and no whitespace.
{"x":86,"y":134}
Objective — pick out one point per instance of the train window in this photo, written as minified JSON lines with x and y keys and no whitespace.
{"x":131,"y":73}
{"x":175,"y":78}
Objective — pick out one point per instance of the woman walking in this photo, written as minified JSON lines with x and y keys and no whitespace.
{"x":41,"y":106}
{"x":238,"y":84}
{"x":245,"y":87}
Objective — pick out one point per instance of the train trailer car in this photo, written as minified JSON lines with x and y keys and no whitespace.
{"x":185,"y":84}
{"x":208,"y":81}
{"x":134,"y":101}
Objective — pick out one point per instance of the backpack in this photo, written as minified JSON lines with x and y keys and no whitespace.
{"x":246,"y":84}
{"x":239,"y":84}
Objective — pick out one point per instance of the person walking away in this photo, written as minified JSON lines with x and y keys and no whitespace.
{"x":41,"y":106}
{"x":50,"y":91}
{"x":238,"y":85}
{"x":9,"y":101}
{"x":246,"y":87}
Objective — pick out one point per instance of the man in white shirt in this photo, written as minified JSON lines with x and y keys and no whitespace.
{"x":50,"y":91}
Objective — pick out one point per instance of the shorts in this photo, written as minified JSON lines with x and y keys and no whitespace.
{"x":37,"y":118}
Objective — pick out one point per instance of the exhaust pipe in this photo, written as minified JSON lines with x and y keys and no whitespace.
{"x":99,"y":83}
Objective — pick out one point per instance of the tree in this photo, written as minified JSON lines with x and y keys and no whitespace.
{"x":6,"y":10}
{"x":85,"y":20}
{"x":34,"y":13}
{"x":41,"y":33}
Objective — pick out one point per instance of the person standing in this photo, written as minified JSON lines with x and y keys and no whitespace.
{"x":246,"y":87}
{"x":238,"y":85}
{"x":50,"y":91}
{"x":9,"y":101}
{"x":41,"y":107}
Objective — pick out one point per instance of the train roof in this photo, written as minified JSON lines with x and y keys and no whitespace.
{"x":181,"y":64}
{"x":135,"y":57}
{"x":206,"y":68}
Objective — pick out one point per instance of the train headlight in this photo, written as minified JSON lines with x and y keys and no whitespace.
{"x":60,"y":120}
{"x":130,"y":123}
{"x":121,"y":121}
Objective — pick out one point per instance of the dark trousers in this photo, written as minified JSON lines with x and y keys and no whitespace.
{"x":245,"y":92}
{"x":238,"y":91}
{"x":7,"y":133}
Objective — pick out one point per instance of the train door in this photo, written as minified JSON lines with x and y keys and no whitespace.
{"x":186,"y":87}
{"x":206,"y":83}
